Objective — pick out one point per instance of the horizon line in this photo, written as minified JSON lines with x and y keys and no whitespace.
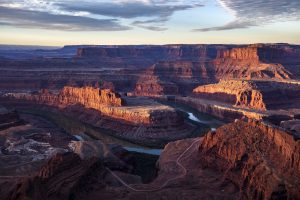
{"x":147,"y":44}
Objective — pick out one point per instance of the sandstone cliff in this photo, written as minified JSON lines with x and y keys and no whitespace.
{"x":172,"y":78}
{"x":87,"y":96}
{"x":247,"y":63}
{"x":246,"y":53}
{"x":263,"y":161}
{"x":261,"y":95}
{"x":241,"y":160}
{"x":108,"y":103}
{"x":140,"y":120}
{"x":152,"y":52}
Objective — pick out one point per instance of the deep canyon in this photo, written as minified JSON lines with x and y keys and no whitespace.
{"x":150,"y":122}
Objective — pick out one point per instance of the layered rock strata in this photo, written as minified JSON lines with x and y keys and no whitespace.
{"x":178,"y":77}
{"x":172,"y":78}
{"x":140,"y":120}
{"x":108,"y":103}
{"x":241,"y":160}
{"x":247,"y":63}
{"x":261,"y":160}
{"x":260,"y":95}
{"x":224,"y":111}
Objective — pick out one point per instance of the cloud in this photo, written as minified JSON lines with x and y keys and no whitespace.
{"x":237,"y":24}
{"x":37,"y":19}
{"x":126,"y":9}
{"x":152,"y":24}
{"x":92,"y":14}
{"x":156,"y":12}
{"x":249,"y":13}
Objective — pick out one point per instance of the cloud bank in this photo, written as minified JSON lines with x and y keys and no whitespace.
{"x":121,"y":15}
{"x":249,"y":13}
{"x":103,"y":15}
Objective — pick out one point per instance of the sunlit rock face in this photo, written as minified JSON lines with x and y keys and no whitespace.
{"x":247,"y":53}
{"x":263,"y":161}
{"x":242,"y":62}
{"x":90,"y":97}
{"x":240,"y":160}
{"x":249,"y":62}
{"x":261,"y":95}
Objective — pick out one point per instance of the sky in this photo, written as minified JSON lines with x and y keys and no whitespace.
{"x":69,"y":22}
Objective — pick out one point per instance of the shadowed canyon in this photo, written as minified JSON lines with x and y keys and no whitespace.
{"x":210,"y":121}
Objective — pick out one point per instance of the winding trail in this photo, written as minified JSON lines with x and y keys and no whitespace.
{"x":183,"y":169}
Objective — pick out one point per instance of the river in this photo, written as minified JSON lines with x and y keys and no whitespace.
{"x":85,"y":132}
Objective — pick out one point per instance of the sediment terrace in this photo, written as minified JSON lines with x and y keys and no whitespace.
{"x":138,"y":119}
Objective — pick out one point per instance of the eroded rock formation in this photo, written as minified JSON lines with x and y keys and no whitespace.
{"x":263,"y":161}
{"x":259,"y":95}
{"x":241,"y":160}
{"x":172,"y":78}
{"x":141,"y":120}
{"x":247,"y":63}
{"x":87,"y":96}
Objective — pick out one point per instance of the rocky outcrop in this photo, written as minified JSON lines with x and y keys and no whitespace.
{"x":172,"y":78}
{"x":262,"y":161}
{"x":224,"y":111}
{"x":65,"y":176}
{"x":123,"y":65}
{"x":261,"y":95}
{"x":240,"y":160}
{"x":247,"y":63}
{"x":108,"y":103}
{"x":246,"y":53}
{"x":87,"y":96}
{"x":239,"y":93}
{"x":141,"y":120}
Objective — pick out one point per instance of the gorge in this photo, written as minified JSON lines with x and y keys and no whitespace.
{"x":132,"y":122}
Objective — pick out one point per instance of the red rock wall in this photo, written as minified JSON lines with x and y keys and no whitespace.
{"x":264,"y":162}
{"x":87,"y":96}
{"x":247,"y":53}
{"x":90,"y":97}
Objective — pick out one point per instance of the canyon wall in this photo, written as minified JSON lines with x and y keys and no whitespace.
{"x":219,"y":110}
{"x":172,"y":78}
{"x":140,"y":120}
{"x":246,"y":53}
{"x":124,"y":65}
{"x":238,"y":93}
{"x":260,"y":95}
{"x":89,"y":97}
{"x":248,"y":62}
{"x":108,"y":103}
{"x":264,"y":162}
{"x":165,"y":52}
